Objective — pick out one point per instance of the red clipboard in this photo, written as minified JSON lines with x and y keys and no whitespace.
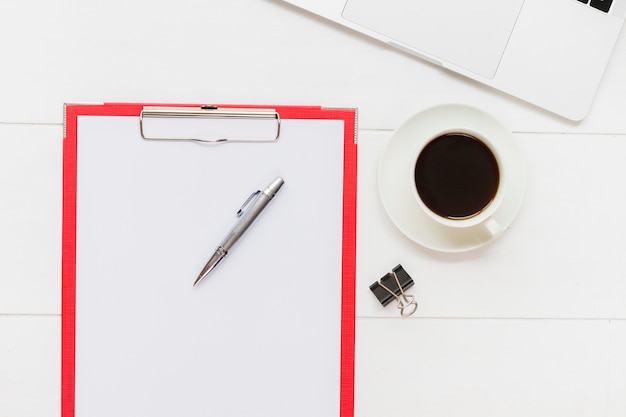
{"x":72,"y":135}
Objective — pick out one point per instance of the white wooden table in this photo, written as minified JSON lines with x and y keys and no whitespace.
{"x":494,"y":335}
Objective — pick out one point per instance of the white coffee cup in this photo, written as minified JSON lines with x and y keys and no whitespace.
{"x":407,"y":209}
{"x":460,"y":179}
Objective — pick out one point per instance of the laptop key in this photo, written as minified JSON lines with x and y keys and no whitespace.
{"x":603,"y":5}
{"x":584,"y":1}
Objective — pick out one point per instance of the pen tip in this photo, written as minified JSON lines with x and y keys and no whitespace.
{"x":219,"y":254}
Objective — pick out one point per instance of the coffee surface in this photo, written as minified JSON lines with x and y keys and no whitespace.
{"x":456,"y":176}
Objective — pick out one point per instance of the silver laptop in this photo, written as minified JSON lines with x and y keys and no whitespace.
{"x":551,"y":53}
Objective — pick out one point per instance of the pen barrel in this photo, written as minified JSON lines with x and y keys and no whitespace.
{"x":245,"y":220}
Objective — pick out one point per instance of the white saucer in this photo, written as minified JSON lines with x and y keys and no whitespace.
{"x":395,"y":176}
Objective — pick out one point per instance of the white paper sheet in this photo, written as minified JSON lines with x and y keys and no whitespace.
{"x":261,"y":335}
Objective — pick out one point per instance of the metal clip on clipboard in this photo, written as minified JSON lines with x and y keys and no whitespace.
{"x":265,"y":123}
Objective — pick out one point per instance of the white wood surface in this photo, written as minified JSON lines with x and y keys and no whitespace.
{"x":559,"y":348}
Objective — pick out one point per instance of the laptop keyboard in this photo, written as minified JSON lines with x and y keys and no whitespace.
{"x":602,"y":5}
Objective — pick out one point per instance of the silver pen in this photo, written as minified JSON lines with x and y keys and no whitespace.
{"x":250,"y":210}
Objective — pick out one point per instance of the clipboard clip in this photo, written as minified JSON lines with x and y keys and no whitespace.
{"x":222,"y":115}
{"x":391,"y":286}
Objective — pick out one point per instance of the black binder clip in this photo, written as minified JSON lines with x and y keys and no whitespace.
{"x":392,"y":286}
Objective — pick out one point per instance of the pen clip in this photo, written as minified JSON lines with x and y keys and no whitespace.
{"x":248,"y":201}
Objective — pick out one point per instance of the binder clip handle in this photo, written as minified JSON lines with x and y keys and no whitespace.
{"x":407,"y":305}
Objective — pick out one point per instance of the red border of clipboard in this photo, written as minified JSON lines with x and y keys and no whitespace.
{"x":68,"y":310}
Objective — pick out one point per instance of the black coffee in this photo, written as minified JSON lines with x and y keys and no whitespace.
{"x":456,"y":175}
